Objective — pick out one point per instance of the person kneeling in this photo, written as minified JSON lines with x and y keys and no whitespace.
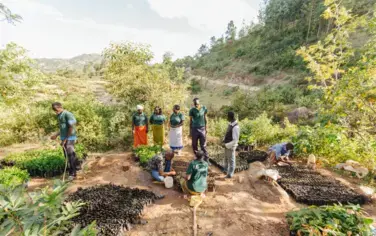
{"x":195,"y":182}
{"x":160,"y":166}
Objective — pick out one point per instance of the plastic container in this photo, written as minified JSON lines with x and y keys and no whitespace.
{"x":169,"y":182}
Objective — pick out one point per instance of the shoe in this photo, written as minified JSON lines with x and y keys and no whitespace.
{"x":228,"y":177}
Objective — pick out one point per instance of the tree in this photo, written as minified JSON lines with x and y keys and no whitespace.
{"x":231,"y":31}
{"x":135,"y":81}
{"x":167,"y":57}
{"x":202,"y":50}
{"x":8,"y":15}
{"x":213,"y":41}
{"x":243,"y":30}
{"x":348,"y":82}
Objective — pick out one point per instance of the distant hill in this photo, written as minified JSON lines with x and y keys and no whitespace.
{"x":75,"y":63}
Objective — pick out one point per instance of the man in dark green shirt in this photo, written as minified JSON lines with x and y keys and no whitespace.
{"x":67,"y":132}
{"x":198,"y":125}
{"x":197,"y":173}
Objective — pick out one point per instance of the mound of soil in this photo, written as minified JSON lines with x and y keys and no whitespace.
{"x":310,"y":187}
{"x":114,"y":208}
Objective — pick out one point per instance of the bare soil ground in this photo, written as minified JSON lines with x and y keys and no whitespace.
{"x":252,"y":207}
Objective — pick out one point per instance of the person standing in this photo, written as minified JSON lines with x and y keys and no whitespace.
{"x":67,"y":132}
{"x":198,"y":125}
{"x":230,"y":143}
{"x":157,"y":121}
{"x":140,"y":127}
{"x":176,"y":130}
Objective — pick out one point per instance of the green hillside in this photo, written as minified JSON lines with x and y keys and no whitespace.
{"x":270,"y":45}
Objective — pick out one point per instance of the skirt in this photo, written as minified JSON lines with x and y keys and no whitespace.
{"x":140,"y":136}
{"x":176,"y":138}
{"x":158,"y":134}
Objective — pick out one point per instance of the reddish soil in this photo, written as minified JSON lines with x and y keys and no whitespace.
{"x":252,"y":207}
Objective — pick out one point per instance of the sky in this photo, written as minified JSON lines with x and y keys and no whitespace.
{"x":67,"y":28}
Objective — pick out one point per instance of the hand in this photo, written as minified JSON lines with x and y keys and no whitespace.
{"x":172,"y":172}
{"x":53,"y":137}
{"x":147,"y":130}
{"x":63,"y":142}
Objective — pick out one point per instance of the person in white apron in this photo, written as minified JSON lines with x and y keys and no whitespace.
{"x":176,"y":130}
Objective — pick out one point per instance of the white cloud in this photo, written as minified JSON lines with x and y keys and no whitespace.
{"x":46,"y":32}
{"x":209,"y":15}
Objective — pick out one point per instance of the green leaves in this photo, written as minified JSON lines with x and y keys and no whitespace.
{"x":330,"y":220}
{"x":39,"y":213}
{"x":13,"y":176}
{"x":145,"y":153}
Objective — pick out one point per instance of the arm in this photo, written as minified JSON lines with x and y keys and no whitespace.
{"x":189,"y":172}
{"x":133,"y":124}
{"x":54,"y":136}
{"x":235,"y":137}
{"x":147,"y":123}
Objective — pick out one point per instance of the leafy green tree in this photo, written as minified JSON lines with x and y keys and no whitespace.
{"x":231,"y":31}
{"x":213,"y":41}
{"x":17,"y":75}
{"x":135,"y":81}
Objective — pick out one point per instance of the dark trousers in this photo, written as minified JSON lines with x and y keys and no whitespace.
{"x":199,"y":135}
{"x":71,"y":155}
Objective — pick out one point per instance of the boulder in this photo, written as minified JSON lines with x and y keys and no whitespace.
{"x":301,"y":113}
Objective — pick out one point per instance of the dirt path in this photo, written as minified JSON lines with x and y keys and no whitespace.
{"x":252,"y":207}
{"x":247,"y":208}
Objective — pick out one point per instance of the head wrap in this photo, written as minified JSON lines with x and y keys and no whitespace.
{"x":140,"y":107}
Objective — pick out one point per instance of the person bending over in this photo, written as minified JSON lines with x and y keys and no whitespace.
{"x":161,"y":166}
{"x":280,"y":153}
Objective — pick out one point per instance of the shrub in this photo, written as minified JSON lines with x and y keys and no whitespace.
{"x":145,"y":153}
{"x":45,"y":163}
{"x":330,"y":220}
{"x":195,"y":86}
{"x":12,"y":176}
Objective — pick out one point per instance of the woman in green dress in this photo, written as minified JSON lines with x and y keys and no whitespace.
{"x":157,"y":120}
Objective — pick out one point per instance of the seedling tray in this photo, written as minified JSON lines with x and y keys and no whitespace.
{"x":114,"y":208}
{"x":219,"y":161}
{"x":310,"y":187}
{"x":252,"y":156}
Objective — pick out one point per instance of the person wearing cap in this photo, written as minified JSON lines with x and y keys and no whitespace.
{"x":157,"y":121}
{"x":195,"y":182}
{"x":198,"y":125}
{"x":140,"y":127}
{"x":176,"y":130}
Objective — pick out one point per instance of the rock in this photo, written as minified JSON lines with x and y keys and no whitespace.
{"x":240,"y":179}
{"x":301,"y":113}
{"x":367,"y":190}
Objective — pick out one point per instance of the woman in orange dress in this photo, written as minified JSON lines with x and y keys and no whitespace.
{"x":140,"y":127}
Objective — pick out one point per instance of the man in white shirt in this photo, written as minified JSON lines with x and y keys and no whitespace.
{"x":230,"y":143}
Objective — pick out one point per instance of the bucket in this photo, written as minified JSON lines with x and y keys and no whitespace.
{"x":169,"y":182}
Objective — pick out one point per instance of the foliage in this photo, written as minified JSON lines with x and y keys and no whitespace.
{"x":145,"y":153}
{"x":195,"y":86}
{"x":11,"y":176}
{"x":135,"y":81}
{"x":260,"y":131}
{"x":8,"y":15}
{"x":330,"y":220}
{"x":17,"y":76}
{"x":39,"y":213}
{"x":284,"y":26}
{"x":333,"y":143}
{"x":46,"y":163}
{"x":347,"y":81}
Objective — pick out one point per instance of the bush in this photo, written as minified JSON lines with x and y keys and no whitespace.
{"x":330,"y":220}
{"x":45,"y":163}
{"x":331,"y":142}
{"x":12,"y":176}
{"x":195,"y":86}
{"x":145,"y":153}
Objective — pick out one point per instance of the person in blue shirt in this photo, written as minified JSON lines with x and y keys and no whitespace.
{"x":280,"y":153}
